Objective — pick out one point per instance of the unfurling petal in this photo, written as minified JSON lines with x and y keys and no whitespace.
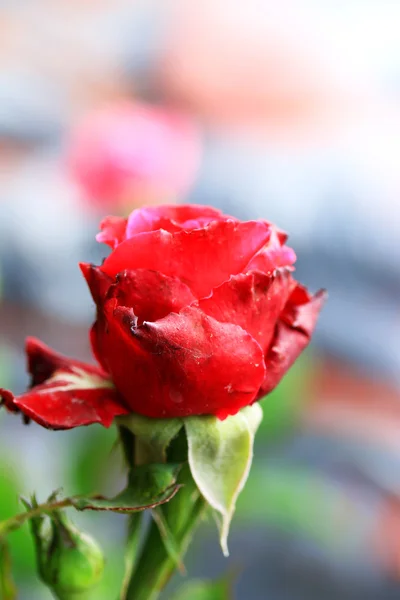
{"x":274,"y":255}
{"x":293,"y":333}
{"x":201,"y":258}
{"x":112,"y":231}
{"x":65,"y":393}
{"x":172,"y":218}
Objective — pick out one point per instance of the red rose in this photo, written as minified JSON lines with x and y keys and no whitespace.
{"x":197,"y":313}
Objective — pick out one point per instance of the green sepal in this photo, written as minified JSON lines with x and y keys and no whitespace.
{"x":152,"y":436}
{"x":148,"y":486}
{"x":220,"y":457}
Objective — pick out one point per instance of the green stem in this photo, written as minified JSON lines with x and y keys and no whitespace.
{"x":18,"y":520}
{"x":156,"y":565}
{"x":135,"y":521}
{"x":8,"y":590}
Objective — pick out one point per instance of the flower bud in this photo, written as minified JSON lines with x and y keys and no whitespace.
{"x":70,"y":562}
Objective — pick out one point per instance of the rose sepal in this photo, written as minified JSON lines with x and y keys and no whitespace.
{"x":220,"y":455}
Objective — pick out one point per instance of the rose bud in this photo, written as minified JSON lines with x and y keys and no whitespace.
{"x":198,"y":313}
{"x":70,"y":562}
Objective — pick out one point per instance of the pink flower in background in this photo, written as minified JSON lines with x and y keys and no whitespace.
{"x":133,"y":153}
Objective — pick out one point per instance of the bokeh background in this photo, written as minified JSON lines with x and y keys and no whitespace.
{"x":285,"y":110}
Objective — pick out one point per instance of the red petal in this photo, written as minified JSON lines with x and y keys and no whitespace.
{"x":253,"y":301}
{"x":99,"y":283}
{"x":97,"y":327}
{"x":150,"y":294}
{"x":43,"y":361}
{"x":172,"y":218}
{"x":65,"y":393}
{"x":112,"y":231}
{"x":274,"y":255}
{"x":300,"y":311}
{"x":292,"y":335}
{"x":185,"y":364}
{"x":202,"y":258}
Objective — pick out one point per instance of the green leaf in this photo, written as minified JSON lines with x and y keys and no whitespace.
{"x":148,"y":486}
{"x":220,"y":456}
{"x":153,"y":435}
{"x":168,"y":538}
{"x":20,"y":543}
{"x":7,"y":587}
{"x":204,"y":590}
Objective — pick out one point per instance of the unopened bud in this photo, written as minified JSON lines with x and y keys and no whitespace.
{"x":70,"y":562}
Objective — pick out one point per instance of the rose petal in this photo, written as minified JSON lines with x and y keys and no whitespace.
{"x":112,"y":231}
{"x":98,"y":282}
{"x":172,"y":218}
{"x":98,"y":326}
{"x":66,"y":393}
{"x":150,"y":294}
{"x":184,"y":364}
{"x":274,"y":255}
{"x":253,"y":301}
{"x":43,"y":361}
{"x":201,"y":258}
{"x":292,"y":335}
{"x":300,"y":310}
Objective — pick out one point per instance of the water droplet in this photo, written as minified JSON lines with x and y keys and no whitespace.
{"x":176,"y":396}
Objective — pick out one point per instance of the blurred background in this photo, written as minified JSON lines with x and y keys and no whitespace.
{"x":288,"y":111}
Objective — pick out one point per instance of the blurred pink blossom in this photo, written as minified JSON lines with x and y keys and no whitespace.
{"x":133,"y":153}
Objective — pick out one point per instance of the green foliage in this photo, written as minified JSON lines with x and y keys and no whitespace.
{"x":158,"y":557}
{"x":93,"y":461}
{"x":8,"y":590}
{"x":20,"y":544}
{"x":287,"y":499}
{"x":220,"y":456}
{"x":153,"y":436}
{"x":204,"y":590}
{"x":148,"y":486}
{"x":69,"y":562}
